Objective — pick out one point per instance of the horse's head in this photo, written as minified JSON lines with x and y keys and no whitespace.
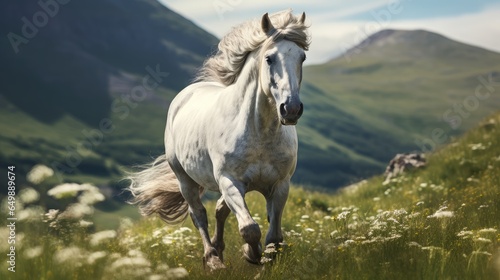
{"x":281,"y":71}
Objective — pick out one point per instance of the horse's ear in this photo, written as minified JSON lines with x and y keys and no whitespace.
{"x":266,"y":24}
{"x":303,"y":17}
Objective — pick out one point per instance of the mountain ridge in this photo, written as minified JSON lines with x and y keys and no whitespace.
{"x":80,"y":48}
{"x":390,"y":98}
{"x":424,"y":38}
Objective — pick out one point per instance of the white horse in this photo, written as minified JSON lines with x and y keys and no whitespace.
{"x":233,"y":132}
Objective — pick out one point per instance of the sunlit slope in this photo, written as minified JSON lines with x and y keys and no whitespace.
{"x":398,"y":91}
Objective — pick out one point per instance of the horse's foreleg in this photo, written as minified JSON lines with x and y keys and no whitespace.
{"x":221,"y":213}
{"x":233,"y":192}
{"x":275,"y":205}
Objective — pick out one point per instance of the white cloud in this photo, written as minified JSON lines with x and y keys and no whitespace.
{"x":478,"y":29}
{"x":331,"y":38}
{"x":331,"y":32}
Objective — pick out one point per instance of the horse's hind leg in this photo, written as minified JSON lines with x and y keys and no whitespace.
{"x":233,"y":193}
{"x":221,"y":213}
{"x":191,"y":192}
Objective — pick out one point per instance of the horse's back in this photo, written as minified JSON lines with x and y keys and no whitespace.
{"x":194,"y":96}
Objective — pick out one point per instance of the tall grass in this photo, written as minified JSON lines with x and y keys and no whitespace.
{"x":441,"y":222}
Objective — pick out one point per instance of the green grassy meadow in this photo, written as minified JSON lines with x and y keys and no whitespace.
{"x":439,"y":222}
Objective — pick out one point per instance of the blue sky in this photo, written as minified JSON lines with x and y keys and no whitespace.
{"x":339,"y":24}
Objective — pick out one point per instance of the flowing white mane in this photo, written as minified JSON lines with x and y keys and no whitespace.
{"x":233,"y":49}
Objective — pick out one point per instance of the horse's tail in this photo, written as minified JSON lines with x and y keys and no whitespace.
{"x":155,"y":189}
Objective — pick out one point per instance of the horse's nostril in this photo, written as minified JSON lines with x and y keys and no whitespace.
{"x":301,"y":110}
{"x":282,"y":109}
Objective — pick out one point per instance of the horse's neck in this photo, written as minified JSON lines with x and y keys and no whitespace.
{"x":261,"y":109}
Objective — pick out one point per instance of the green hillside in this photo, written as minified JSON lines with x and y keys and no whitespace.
{"x":388,"y":95}
{"x":440,"y":222}
{"x":84,"y":69}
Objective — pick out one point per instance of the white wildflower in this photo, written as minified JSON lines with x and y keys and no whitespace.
{"x":114,"y":256}
{"x":64,"y":190}
{"x":432,"y":248}
{"x":472,"y":179}
{"x":39,"y":173}
{"x":309,"y":230}
{"x":51,"y":215}
{"x":400,"y":212}
{"x":28,"y":195}
{"x":135,"y":253}
{"x":177,"y":273}
{"x":413,"y":215}
{"x":30,"y":213}
{"x":414,"y":244}
{"x":85,"y":224}
{"x":90,"y":195}
{"x":376,"y":198}
{"x":423,"y":185}
{"x":162,"y":267}
{"x":482,"y":240}
{"x":125,"y":223}
{"x":393,"y":220}
{"x":442,"y":213}
{"x":34,"y":252}
{"x":305,"y":217}
{"x":70,"y":255}
{"x":487,"y":230}
{"x":465,"y":233}
{"x":349,"y":242}
{"x":270,"y":248}
{"x":99,"y":237}
{"x":129,"y":262}
{"x":343,"y":215}
{"x":158,"y":232}
{"x":92,"y":258}
{"x":77,"y":211}
{"x":167,"y":240}
{"x":128,"y":240}
{"x":184,"y":229}
{"x":264,"y":260}
{"x":477,"y":146}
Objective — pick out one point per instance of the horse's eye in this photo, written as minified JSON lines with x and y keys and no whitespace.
{"x":269,"y":60}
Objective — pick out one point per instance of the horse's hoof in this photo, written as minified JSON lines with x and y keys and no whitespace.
{"x":214,"y":263}
{"x":250,"y":255}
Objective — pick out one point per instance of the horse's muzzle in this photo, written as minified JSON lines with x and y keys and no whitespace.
{"x":290,"y":113}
